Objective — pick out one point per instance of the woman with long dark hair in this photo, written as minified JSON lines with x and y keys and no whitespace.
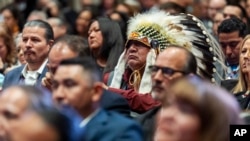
{"x":105,"y":42}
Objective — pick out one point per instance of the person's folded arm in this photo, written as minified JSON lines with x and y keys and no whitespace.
{"x":138,"y":102}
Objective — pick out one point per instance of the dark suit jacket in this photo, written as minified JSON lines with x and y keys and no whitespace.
{"x":147,"y":122}
{"x":229,"y":84}
{"x":244,"y":99}
{"x":14,"y":76}
{"x":110,"y":126}
{"x":115,"y":102}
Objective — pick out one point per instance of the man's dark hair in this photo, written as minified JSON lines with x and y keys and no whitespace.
{"x":87,"y":63}
{"x":191,"y":63}
{"x":231,"y":25}
{"x":76,"y":44}
{"x":49,"y":34}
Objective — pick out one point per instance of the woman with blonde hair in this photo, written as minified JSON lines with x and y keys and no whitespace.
{"x":196,"y":110}
{"x":242,"y":88}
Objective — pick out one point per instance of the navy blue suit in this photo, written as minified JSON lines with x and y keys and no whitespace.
{"x":14,"y":77}
{"x":110,"y":126}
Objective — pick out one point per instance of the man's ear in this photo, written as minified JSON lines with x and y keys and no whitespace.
{"x":244,"y":20}
{"x":97,"y":91}
{"x":51,"y":42}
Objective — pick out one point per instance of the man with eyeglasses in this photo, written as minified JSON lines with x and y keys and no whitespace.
{"x":231,"y":32}
{"x":172,"y":63}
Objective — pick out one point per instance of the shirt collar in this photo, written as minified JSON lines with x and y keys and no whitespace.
{"x":87,"y":119}
{"x":39,"y":71}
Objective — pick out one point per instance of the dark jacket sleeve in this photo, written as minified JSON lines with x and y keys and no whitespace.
{"x":115,"y":102}
{"x":139,"y":103}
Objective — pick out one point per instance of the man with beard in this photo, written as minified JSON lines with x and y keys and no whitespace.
{"x":71,"y":46}
{"x":172,"y":63}
{"x":37,"y":37}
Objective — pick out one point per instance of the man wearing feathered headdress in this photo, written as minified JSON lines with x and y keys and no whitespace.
{"x":150,"y":33}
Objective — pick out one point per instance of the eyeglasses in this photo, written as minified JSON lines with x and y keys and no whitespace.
{"x":231,"y":44}
{"x":166,"y":71}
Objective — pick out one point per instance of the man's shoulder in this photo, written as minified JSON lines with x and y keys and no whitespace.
{"x":152,"y":111}
{"x":12,"y":77}
{"x":14,"y":72}
{"x":112,"y":95}
{"x":115,"y":102}
{"x":149,"y":114}
{"x":114,"y":118}
{"x":109,"y":125}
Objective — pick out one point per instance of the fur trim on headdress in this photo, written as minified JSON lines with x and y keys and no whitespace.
{"x":146,"y":82}
{"x":119,"y":71}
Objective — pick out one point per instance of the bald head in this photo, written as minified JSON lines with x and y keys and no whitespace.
{"x":215,"y":6}
{"x":66,"y":47}
{"x":180,"y":57}
{"x":60,"y":51}
{"x":174,"y":62}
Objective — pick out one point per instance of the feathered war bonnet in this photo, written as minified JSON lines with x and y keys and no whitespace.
{"x":157,"y":29}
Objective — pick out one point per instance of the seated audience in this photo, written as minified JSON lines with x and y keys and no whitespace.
{"x":148,"y":35}
{"x":82,"y":89}
{"x":71,"y":46}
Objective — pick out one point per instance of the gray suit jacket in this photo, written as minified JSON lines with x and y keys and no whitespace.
{"x":15,"y":76}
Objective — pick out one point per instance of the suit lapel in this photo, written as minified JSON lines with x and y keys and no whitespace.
{"x":17,"y":78}
{"x":39,"y":80}
{"x":95,"y":125}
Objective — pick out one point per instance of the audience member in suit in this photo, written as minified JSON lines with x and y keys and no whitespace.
{"x":241,"y":90}
{"x":27,"y":113}
{"x":171,"y":64}
{"x":37,"y":39}
{"x":230,"y":33}
{"x":70,"y":46}
{"x":82,"y":89}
